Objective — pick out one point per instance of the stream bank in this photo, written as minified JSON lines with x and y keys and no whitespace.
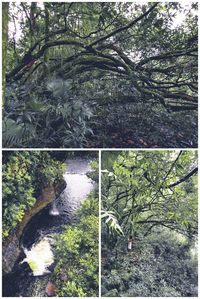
{"x":46,"y":224}
{"x":11,"y":248}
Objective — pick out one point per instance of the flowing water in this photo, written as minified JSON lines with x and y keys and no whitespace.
{"x":37,"y":241}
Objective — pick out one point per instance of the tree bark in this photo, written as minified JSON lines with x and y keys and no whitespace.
{"x":5,"y":18}
{"x":32,"y":22}
{"x":185,"y":178}
{"x":46,"y":53}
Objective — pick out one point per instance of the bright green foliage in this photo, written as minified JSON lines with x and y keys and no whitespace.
{"x":89,"y":206}
{"x":146,"y":189}
{"x":94,"y":173}
{"x":72,"y":290}
{"x":76,"y":273}
{"x":24,"y":175}
{"x":71,"y":240}
{"x":94,"y":165}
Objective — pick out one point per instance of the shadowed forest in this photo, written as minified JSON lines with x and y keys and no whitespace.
{"x":99,"y":74}
{"x":149,"y":199}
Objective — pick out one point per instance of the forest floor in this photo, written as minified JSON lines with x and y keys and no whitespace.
{"x":157,"y":269}
{"x":141,"y":126}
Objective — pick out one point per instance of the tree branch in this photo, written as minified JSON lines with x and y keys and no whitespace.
{"x":167,"y":55}
{"x":41,"y":53}
{"x":125,"y":27}
{"x":185,"y":178}
{"x":172,"y":166}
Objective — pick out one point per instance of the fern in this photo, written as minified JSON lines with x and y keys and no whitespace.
{"x":112,"y":222}
{"x":15,"y":134}
{"x":57,"y":119}
{"x":12,"y":132}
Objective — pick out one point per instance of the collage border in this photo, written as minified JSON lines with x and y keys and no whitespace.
{"x":100,"y":150}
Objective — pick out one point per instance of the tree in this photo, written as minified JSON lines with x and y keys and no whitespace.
{"x":94,"y":51}
{"x":74,"y":42}
{"x":150,"y":189}
{"x":5,"y":17}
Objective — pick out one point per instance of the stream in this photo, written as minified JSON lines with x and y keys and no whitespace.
{"x":37,"y":237}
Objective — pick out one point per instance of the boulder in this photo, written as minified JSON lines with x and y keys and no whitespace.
{"x":50,"y":289}
{"x":10,"y":253}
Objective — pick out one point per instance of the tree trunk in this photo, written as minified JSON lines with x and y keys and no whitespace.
{"x":46,"y":54}
{"x":33,"y":26}
{"x":5,"y":10}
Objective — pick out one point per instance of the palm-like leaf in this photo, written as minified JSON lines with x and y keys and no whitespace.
{"x":112,"y":222}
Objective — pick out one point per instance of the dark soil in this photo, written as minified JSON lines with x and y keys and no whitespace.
{"x":143,"y":126}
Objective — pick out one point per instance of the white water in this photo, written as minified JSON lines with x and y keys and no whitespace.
{"x":78,"y":187}
{"x":39,"y":257}
{"x":54,"y":211}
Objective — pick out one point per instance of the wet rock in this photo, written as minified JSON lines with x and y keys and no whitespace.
{"x":11,"y":246}
{"x":48,"y":194}
{"x":10,"y":253}
{"x":52,"y":266}
{"x":35,"y":288}
{"x":50,"y":289}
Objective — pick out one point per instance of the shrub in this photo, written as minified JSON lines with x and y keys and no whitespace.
{"x":24,"y":175}
{"x":76,"y":273}
{"x":163,"y":267}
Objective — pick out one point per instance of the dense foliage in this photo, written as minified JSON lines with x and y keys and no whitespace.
{"x":100,"y":74}
{"x":161,"y":265}
{"x":76,"y":273}
{"x":24,"y":175}
{"x":94,"y":173}
{"x":151,"y":196}
{"x":148,"y":189}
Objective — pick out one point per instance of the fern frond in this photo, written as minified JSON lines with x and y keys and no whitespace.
{"x":15,"y":134}
{"x":12,"y":133}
